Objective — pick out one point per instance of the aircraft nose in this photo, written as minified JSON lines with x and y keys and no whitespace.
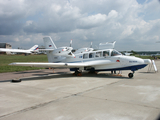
{"x":147,"y":61}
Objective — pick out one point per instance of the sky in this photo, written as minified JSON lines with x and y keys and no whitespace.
{"x":133,"y":24}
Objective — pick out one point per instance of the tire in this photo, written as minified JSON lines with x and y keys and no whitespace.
{"x":130,"y":75}
{"x":76,"y":73}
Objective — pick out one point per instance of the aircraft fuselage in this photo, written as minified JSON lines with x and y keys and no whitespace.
{"x":112,"y":59}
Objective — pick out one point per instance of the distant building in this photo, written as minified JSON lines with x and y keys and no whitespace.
{"x":41,"y":52}
{"x":5,"y":45}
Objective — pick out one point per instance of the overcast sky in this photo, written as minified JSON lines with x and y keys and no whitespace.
{"x":134,"y":24}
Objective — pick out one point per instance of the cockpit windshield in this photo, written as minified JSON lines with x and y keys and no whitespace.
{"x":114,"y":53}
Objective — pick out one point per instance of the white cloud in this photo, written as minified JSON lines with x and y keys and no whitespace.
{"x":127,"y":22}
{"x":29,"y":22}
{"x":113,"y":14}
{"x":55,"y":7}
{"x":16,"y":39}
{"x":92,"y":21}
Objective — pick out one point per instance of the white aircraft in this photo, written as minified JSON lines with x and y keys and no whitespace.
{"x":93,"y":61}
{"x":127,"y":54}
{"x":32,"y":49}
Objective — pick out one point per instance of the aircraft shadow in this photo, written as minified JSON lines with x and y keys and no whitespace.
{"x":147,"y":72}
{"x":37,"y":71}
{"x":67,"y":75}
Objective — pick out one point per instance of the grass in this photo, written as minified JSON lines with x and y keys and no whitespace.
{"x":7,"y":59}
{"x":147,"y":57}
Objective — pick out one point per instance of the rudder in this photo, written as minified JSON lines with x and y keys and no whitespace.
{"x":35,"y":47}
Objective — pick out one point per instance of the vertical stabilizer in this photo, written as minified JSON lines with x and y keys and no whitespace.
{"x":49,"y":44}
{"x":35,"y":47}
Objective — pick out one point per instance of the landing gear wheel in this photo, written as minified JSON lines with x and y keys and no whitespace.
{"x":130,"y":75}
{"x":77,"y":73}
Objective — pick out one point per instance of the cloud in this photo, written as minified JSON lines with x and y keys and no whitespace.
{"x":91,"y":21}
{"x":25,"y":22}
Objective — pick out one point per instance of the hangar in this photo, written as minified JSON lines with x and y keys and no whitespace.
{"x":5,"y":45}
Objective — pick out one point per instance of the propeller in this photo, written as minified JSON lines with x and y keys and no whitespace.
{"x":91,"y":48}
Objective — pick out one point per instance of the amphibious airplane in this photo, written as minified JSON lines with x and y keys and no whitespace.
{"x":92,"y":61}
{"x":127,"y":54}
{"x":32,"y":49}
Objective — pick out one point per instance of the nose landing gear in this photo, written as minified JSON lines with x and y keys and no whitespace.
{"x":130,"y":75}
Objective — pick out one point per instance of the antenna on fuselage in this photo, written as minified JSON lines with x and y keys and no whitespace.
{"x":91,"y":45}
{"x":70,"y":43}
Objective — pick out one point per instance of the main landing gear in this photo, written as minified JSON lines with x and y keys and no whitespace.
{"x":77,"y":73}
{"x":130,"y":75}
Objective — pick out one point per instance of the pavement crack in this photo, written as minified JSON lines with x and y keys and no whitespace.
{"x":46,"y":103}
{"x":33,"y":107}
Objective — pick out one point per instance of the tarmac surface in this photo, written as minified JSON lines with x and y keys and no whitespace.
{"x":58,"y":95}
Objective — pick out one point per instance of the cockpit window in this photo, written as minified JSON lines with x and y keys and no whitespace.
{"x":105,"y":53}
{"x":114,"y":53}
{"x":98,"y":54}
{"x":91,"y":55}
{"x":85,"y":56}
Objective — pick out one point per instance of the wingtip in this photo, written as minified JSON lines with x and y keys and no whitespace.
{"x":12,"y":64}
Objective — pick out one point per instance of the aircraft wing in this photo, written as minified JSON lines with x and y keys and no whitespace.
{"x":64,"y":65}
{"x":14,"y":50}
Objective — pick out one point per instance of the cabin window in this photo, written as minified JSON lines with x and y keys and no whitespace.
{"x":114,"y":53}
{"x":85,"y":56}
{"x":91,"y":55}
{"x":98,"y":54}
{"x":106,"y":53}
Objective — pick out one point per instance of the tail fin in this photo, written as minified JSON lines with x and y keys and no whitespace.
{"x":34,"y":48}
{"x":48,"y":42}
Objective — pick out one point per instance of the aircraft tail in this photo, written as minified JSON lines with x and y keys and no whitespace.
{"x":34,"y":48}
{"x":49,"y":44}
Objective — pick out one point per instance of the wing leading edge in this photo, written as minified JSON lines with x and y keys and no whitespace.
{"x":63,"y":65}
